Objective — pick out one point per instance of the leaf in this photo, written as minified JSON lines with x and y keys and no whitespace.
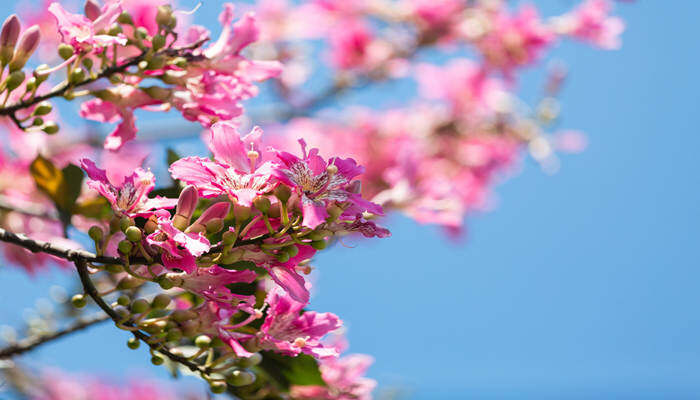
{"x":172,"y":156}
{"x":96,"y":208}
{"x":287,"y":371}
{"x":62,"y":186}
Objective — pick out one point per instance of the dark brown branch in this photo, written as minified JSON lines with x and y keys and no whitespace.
{"x":92,"y":292}
{"x":39,"y":246}
{"x":30,"y":343}
{"x":105,"y":73}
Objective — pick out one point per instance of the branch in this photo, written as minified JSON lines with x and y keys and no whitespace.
{"x":31,"y":342}
{"x":107,"y":72}
{"x":94,"y":294}
{"x":37,"y":246}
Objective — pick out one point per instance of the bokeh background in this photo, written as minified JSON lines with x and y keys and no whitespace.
{"x":582,"y":284}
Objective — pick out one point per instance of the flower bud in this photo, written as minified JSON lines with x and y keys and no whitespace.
{"x":174,"y":335}
{"x":202,"y":341}
{"x":157,"y":360}
{"x":253,"y":360}
{"x":50,"y":128}
{"x":180,"y":62}
{"x":38,"y":121}
{"x":189,"y":328}
{"x":155,"y":327}
{"x":183,"y":315}
{"x":141,"y":32}
{"x":14,"y":80}
{"x":125,"y":247}
{"x":123,"y":300}
{"x":87,"y":62}
{"x":140,"y":306}
{"x":283,"y":193}
{"x":262,"y":203}
{"x":28,"y":42}
{"x":319,"y":244}
{"x":151,"y":225}
{"x":123,"y":313}
{"x":133,"y":234}
{"x":161,"y":301}
{"x":240,"y":377}
{"x":217,"y":387}
{"x":125,"y":222}
{"x":76,"y":76}
{"x":164,"y":14}
{"x":115,"y":30}
{"x":231,"y":257}
{"x":292,"y":250}
{"x":156,"y":62}
{"x":42,"y":108}
{"x":228,"y":238}
{"x":92,"y":10}
{"x":129,"y":282}
{"x":241,"y":213}
{"x":186,"y":204}
{"x":158,"y":92}
{"x":125,"y":19}
{"x":96,"y":233}
{"x":158,"y":42}
{"x":78,"y":301}
{"x":133,"y":343}
{"x":8,"y":38}
{"x":282,"y":256}
{"x":334,"y":212}
{"x":165,"y":283}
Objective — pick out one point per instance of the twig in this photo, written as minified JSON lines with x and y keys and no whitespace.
{"x":31,"y":342}
{"x":90,"y":289}
{"x":37,"y":246}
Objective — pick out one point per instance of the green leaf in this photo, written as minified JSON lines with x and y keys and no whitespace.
{"x":96,"y":208}
{"x":287,"y":371}
{"x":172,"y":156}
{"x":62,"y":186}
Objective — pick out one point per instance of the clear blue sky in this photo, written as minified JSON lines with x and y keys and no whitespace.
{"x":579,"y":285}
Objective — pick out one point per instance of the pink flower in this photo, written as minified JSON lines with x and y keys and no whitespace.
{"x":179,"y":249}
{"x":82,"y":33}
{"x":344,"y":378}
{"x":317,"y":188}
{"x":118,"y":103}
{"x":129,"y":197}
{"x":287,"y":332}
{"x":592,"y":23}
{"x":349,"y":45}
{"x":241,"y":168}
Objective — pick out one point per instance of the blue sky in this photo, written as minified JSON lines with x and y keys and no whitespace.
{"x":578,"y":285}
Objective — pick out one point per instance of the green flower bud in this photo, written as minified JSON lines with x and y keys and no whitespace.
{"x":319,"y":244}
{"x":291,"y":250}
{"x":214,"y":225}
{"x":87,"y":62}
{"x":42,"y":108}
{"x":283,"y":193}
{"x":125,"y":223}
{"x":217,"y":387}
{"x":129,"y":282}
{"x":174,"y":335}
{"x":96,"y":233}
{"x":161,"y":301}
{"x":40,"y":73}
{"x":76,"y":76}
{"x":315,"y":235}
{"x":123,"y":313}
{"x":158,"y":93}
{"x":50,"y":128}
{"x":133,"y":343}
{"x":65,"y":51}
{"x":78,"y":301}
{"x":155,"y":328}
{"x":140,"y":306}
{"x":163,"y":15}
{"x":141,"y":32}
{"x":241,"y":213}
{"x":123,"y":300}
{"x":157,"y":62}
{"x":158,"y":42}
{"x":180,"y":62}
{"x":115,"y":30}
{"x":202,"y":341}
{"x":125,"y":247}
{"x":282,"y":256}
{"x":38,"y":121}
{"x":183,"y":315}
{"x":165,"y":283}
{"x":228,"y":238}
{"x":125,"y":19}
{"x":14,"y":80}
{"x":246,"y":362}
{"x":157,"y":360}
{"x":189,"y":328}
{"x":31,"y":84}
{"x":240,"y":378}
{"x":133,"y":234}
{"x":262,"y":203}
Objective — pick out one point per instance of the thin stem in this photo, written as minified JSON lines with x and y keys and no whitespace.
{"x":30,"y":343}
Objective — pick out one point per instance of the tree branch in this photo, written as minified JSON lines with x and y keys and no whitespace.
{"x":36,"y":246}
{"x":30,"y":343}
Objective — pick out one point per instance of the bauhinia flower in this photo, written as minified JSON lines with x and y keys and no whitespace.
{"x":241,"y":168}
{"x":82,"y":33}
{"x":129,"y":197}
{"x":320,"y":184}
{"x":179,"y":249}
{"x":287,"y":331}
{"x":344,"y":378}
